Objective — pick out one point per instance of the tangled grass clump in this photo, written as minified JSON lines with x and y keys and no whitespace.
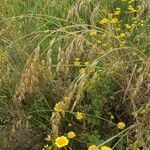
{"x":75,"y":74}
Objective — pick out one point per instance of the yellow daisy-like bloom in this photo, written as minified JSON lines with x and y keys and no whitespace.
{"x":131,"y":1}
{"x":48,"y":138}
{"x":82,"y":70}
{"x":128,"y":26}
{"x":93,"y":32}
{"x":131,"y":9}
{"x":139,"y":8}
{"x":71,"y":135}
{"x":103,"y":21}
{"x":93,"y":147}
{"x":122,"y":43}
{"x":77,"y":63}
{"x":77,"y":59}
{"x":114,"y":20}
{"x":47,"y":147}
{"x":133,"y":25}
{"x":118,"y":9}
{"x":105,"y":148}
{"x":61,"y":141}
{"x":121,"y":125}
{"x":122,"y":35}
{"x":79,"y":115}
{"x":117,"y":13}
{"x":58,"y":107}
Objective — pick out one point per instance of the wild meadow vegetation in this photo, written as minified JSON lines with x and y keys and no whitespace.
{"x":75,"y":74}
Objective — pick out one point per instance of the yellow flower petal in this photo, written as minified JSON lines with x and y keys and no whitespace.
{"x":48,"y":138}
{"x":93,"y":32}
{"x":121,"y":125}
{"x":93,"y":147}
{"x":58,"y":107}
{"x":77,"y":63}
{"x":114,"y":20}
{"x":104,"y":21}
{"x":61,"y":141}
{"x":79,"y":115}
{"x":71,"y":135}
{"x":82,"y":70}
{"x":105,"y":148}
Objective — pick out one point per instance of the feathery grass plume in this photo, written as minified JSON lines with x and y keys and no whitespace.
{"x":139,"y":96}
{"x":140,"y":80}
{"x":79,"y":46}
{"x":55,"y":122}
{"x":25,"y":85}
{"x":71,"y":13}
{"x":28,"y":78}
{"x":79,"y":92}
{"x":68,"y":55}
{"x":92,"y":53}
{"x":146,"y":4}
{"x":56,"y":117}
{"x":7,"y":28}
{"x":60,"y":61}
{"x":49,"y":58}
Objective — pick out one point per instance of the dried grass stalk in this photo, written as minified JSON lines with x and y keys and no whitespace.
{"x":28,"y":78}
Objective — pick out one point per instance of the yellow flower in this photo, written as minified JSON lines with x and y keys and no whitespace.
{"x":82,"y":70}
{"x":122,"y":43}
{"x":77,"y":63}
{"x":79,"y":115}
{"x":71,"y":135}
{"x":114,"y":20}
{"x":47,"y":147}
{"x":133,"y":25}
{"x":58,"y":107}
{"x":122,"y":35}
{"x":127,"y":26}
{"x":93,"y":32}
{"x":105,"y":148}
{"x":103,"y":21}
{"x":139,"y":8}
{"x":117,"y":13}
{"x":121,"y":125}
{"x":48,"y":138}
{"x":131,"y":9}
{"x":93,"y":147}
{"x":61,"y":141}
{"x":130,"y":1}
{"x":118,"y":9}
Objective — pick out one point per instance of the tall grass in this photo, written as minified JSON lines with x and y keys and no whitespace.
{"x":60,"y":57}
